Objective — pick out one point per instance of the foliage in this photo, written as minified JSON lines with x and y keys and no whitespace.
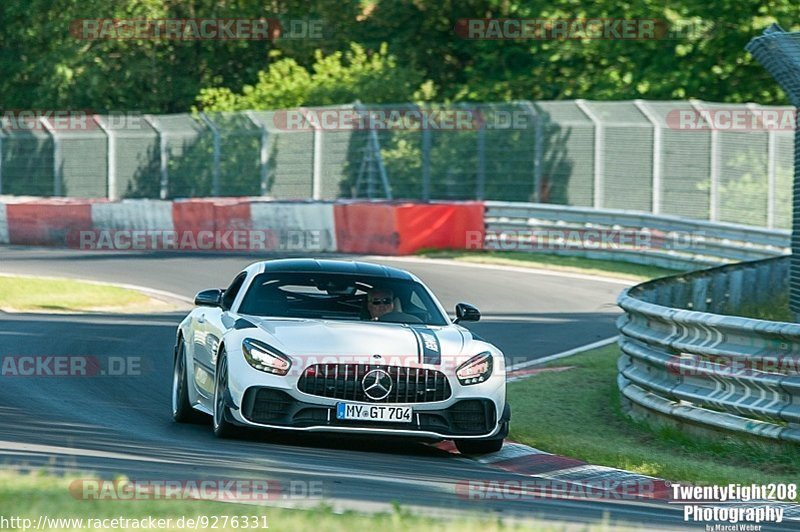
{"x":336,"y":78}
{"x":44,"y":66}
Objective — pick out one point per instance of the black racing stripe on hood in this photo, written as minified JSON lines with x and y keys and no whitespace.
{"x":429,"y":345}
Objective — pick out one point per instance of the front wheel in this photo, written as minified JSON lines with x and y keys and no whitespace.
{"x":182,"y":411}
{"x":487,"y":446}
{"x":222,"y":427}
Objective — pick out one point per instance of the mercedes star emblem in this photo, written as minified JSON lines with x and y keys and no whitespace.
{"x":377,"y":384}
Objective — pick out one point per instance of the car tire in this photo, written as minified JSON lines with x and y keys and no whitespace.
{"x":222,"y":427}
{"x":182,"y":411}
{"x":487,"y":446}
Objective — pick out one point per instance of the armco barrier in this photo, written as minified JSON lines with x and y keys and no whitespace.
{"x":665,"y":241}
{"x":683,"y":364}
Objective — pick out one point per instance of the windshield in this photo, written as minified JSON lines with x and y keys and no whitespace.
{"x":340,"y":297}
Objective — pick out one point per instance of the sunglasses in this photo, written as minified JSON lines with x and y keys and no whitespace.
{"x":382,"y":301}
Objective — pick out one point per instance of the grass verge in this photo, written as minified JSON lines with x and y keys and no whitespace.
{"x":36,"y":294}
{"x":551,"y":413}
{"x":30,"y":496}
{"x":607,"y":268}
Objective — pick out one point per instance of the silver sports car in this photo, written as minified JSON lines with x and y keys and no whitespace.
{"x":338,"y":346}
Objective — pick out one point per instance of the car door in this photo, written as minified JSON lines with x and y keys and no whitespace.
{"x":210,"y":326}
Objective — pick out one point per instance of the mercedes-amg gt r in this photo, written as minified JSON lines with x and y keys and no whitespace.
{"x":338,"y":346}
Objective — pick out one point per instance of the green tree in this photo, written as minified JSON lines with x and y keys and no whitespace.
{"x":333,"y":79}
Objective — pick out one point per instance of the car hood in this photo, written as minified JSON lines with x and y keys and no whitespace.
{"x":324,"y":338}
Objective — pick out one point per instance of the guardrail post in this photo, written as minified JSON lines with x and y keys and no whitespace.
{"x":735,"y":289}
{"x":480,"y":178}
{"x":2,"y":136}
{"x":538,"y":149}
{"x":316,"y":168}
{"x":719,"y":300}
{"x":376,"y":146}
{"x":263,"y":160}
{"x":681,"y":295}
{"x":713,"y":185}
{"x":164,"y":156}
{"x":657,"y":151}
{"x":771,"y":155}
{"x":599,"y":145}
{"x":771,"y":178}
{"x":58,"y":178}
{"x":426,"y":163}
{"x":217,"y":149}
{"x":763,"y":284}
{"x":751,"y":292}
{"x":700,"y":294}
{"x":111,"y":156}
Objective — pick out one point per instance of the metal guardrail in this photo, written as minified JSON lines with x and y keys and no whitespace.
{"x":687,"y":358}
{"x":666,"y":241}
{"x":683,"y":363}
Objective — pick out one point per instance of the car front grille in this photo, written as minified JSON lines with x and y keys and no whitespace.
{"x":344,"y":381}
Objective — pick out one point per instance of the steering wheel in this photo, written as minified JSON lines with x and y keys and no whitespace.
{"x":399,"y":317}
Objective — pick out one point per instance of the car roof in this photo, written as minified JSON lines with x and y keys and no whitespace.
{"x":335,"y":266}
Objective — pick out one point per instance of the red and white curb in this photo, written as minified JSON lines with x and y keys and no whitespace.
{"x":576,"y":478}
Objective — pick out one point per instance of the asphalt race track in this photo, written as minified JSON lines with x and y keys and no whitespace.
{"x":122,"y":425}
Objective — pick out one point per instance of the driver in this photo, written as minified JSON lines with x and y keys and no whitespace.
{"x":380,"y":301}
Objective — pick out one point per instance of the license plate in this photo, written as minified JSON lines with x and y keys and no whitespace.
{"x":396,"y":414}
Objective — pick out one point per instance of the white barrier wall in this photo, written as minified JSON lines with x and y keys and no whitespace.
{"x":304,"y":226}
{"x":3,"y":224}
{"x":133,"y":215}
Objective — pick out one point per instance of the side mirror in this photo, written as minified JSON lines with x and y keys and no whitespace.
{"x":208,"y":298}
{"x":466,"y":312}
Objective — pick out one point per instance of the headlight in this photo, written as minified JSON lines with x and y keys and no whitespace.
{"x":475,"y":370}
{"x":265,"y":358}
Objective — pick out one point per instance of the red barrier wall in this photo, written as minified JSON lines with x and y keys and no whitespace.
{"x":403,"y":228}
{"x":366,"y":228}
{"x":386,"y":228}
{"x":439,"y":226}
{"x":218,"y":214}
{"x":47,"y":222}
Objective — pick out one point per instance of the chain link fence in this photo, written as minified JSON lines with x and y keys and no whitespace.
{"x":708,"y":161}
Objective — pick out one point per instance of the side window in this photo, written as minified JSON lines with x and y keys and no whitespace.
{"x":230,"y":294}
{"x":416,"y":301}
